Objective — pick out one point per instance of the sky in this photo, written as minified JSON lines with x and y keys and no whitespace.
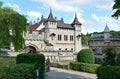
{"x":93,"y":14}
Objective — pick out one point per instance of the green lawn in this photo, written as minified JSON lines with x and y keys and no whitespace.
{"x":6,"y":61}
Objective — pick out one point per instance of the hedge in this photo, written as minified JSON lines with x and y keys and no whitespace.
{"x":118,"y":59}
{"x":58,"y":65}
{"x":18,"y":71}
{"x":38,"y":59}
{"x":30,"y":58}
{"x":85,"y":67}
{"x":108,"y":72}
{"x":86,"y":56}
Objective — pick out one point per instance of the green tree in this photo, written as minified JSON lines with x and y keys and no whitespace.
{"x":110,"y":54}
{"x":84,"y":39}
{"x":115,"y":33}
{"x":116,"y":7}
{"x":12,"y":28}
{"x":86,"y":56}
{"x":1,"y":4}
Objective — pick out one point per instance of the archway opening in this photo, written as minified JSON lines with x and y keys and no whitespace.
{"x":32,"y":49}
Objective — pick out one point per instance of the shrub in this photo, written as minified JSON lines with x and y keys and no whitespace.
{"x":84,"y":67}
{"x":108,"y":72}
{"x":59,"y":65}
{"x":29,"y":58}
{"x":86,"y":56}
{"x":110,"y":54}
{"x":19,"y":71}
{"x":118,"y":59}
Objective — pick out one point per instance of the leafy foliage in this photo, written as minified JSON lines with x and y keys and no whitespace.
{"x":7,"y":61}
{"x":110,"y":54}
{"x":12,"y":28}
{"x":29,"y":58}
{"x":116,"y":7}
{"x":1,"y":4}
{"x":118,"y":60}
{"x":108,"y":72}
{"x":115,"y":33}
{"x":84,"y":39}
{"x":84,"y":67}
{"x":19,"y":71}
{"x":63,"y":65}
{"x":86,"y":56}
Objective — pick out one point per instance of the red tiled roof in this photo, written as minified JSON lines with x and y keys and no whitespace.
{"x":36,"y":25}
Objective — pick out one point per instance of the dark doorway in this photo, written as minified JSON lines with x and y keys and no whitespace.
{"x":32,"y":49}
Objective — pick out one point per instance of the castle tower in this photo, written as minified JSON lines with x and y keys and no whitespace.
{"x":77,"y":34}
{"x":51,"y":22}
{"x":50,"y":25}
{"x":106,"y":34}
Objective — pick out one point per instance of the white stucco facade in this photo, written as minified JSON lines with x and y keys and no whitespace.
{"x":50,"y":34}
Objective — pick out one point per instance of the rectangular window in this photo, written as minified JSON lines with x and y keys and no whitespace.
{"x":65,"y":37}
{"x":59,"y":37}
{"x":71,"y":37}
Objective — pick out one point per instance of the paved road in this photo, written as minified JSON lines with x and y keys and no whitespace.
{"x":56,"y":73}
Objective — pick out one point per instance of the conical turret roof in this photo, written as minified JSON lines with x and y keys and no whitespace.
{"x":75,"y":21}
{"x":106,"y":29}
{"x":50,"y":17}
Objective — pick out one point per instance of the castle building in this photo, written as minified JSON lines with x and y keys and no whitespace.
{"x":97,"y":42}
{"x":50,"y":34}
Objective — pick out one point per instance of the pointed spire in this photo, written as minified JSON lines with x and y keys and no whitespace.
{"x":75,"y":14}
{"x":75,"y":21}
{"x":106,"y":30}
{"x":50,"y":17}
{"x":50,"y":10}
{"x":92,"y":35}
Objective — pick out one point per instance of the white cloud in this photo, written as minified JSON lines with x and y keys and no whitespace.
{"x":95,"y":17}
{"x":112,"y":23}
{"x":34,"y":14}
{"x":14,"y":6}
{"x":106,"y":6}
{"x":40,"y":7}
{"x":88,"y":30}
{"x":66,"y":6}
{"x":72,"y":5}
{"x":79,"y":16}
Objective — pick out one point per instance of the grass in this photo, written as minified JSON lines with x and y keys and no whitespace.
{"x":64,"y":63}
{"x":6,"y":61}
